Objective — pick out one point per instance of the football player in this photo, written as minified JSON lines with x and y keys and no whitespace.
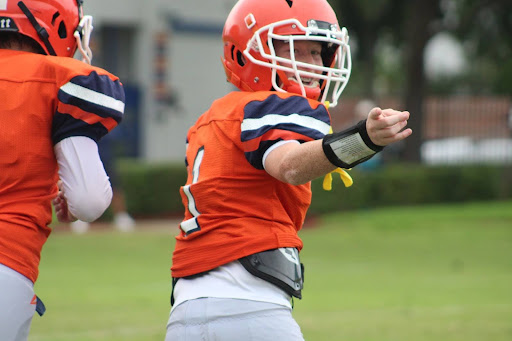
{"x":250,"y":160}
{"x":53,"y":110}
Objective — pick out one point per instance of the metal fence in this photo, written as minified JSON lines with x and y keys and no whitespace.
{"x":455,"y":130}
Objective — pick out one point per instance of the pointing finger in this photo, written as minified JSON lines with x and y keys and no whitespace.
{"x":375,"y":113}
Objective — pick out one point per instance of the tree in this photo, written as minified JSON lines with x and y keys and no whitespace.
{"x":419,"y":14}
{"x":409,"y":22}
{"x":484,"y":26}
{"x":366,"y":20}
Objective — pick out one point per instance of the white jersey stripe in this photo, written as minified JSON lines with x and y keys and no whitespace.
{"x":191,"y":202}
{"x":197,"y":165}
{"x":93,"y":96}
{"x":189,"y":225}
{"x":272,"y":120}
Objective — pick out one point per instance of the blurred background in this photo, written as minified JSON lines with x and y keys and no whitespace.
{"x":167,"y":54}
{"x":449,"y":62}
{"x":419,"y":248}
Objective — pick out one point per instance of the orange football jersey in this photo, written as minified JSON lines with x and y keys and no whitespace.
{"x":43,"y":100}
{"x":233,"y":207}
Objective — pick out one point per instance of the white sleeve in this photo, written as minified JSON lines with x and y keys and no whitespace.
{"x":85,"y":184}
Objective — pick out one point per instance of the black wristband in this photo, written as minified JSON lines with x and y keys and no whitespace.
{"x":350,"y":147}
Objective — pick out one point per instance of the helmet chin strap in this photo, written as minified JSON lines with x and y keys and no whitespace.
{"x":291,"y":85}
{"x":311,"y":93}
{"x":41,"y":32}
{"x":82,"y":35}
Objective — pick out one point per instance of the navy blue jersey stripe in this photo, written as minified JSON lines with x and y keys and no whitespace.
{"x":64,"y":126}
{"x":101,"y":84}
{"x":275,"y":105}
{"x":255,"y":157}
{"x":95,"y":93}
{"x":291,"y":113}
{"x":99,"y":110}
{"x":252,"y":134}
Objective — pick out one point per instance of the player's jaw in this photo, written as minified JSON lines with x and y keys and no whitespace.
{"x":308,"y":82}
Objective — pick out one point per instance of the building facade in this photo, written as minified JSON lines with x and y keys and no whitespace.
{"x":168,"y":56}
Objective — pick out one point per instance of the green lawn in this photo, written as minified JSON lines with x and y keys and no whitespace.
{"x":436,"y":273}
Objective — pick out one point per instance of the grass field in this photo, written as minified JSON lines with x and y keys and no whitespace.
{"x":436,"y":273}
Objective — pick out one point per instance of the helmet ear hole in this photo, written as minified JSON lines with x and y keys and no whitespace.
{"x":232,"y":52}
{"x":63,"y":34}
{"x":239,"y":57}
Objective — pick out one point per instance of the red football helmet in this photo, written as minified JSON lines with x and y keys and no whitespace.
{"x":58,"y":26}
{"x":250,"y":61}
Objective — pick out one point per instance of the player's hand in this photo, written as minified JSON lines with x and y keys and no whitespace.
{"x":387,"y":126}
{"x":61,"y":206}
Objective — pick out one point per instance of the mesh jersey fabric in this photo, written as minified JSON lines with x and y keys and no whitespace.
{"x":233,"y":207}
{"x":44,"y":99}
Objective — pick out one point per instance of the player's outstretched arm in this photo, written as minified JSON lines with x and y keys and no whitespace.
{"x":296,"y":164}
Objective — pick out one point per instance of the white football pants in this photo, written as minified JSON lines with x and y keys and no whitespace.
{"x":16,"y":305}
{"x":226,"y":319}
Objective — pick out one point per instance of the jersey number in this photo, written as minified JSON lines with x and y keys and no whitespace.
{"x":192,"y":225}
